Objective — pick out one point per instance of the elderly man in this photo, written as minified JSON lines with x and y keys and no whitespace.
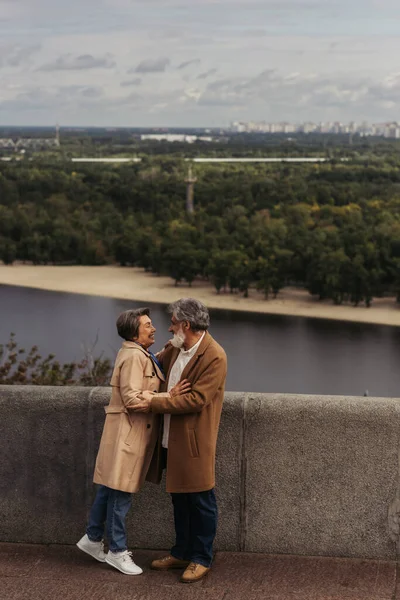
{"x":191,"y":422}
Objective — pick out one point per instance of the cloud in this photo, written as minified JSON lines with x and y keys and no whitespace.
{"x":275,"y":60}
{"x":16,"y":55}
{"x":157,"y":65}
{"x":273,"y":92}
{"x":60,"y":99}
{"x":187,"y":63}
{"x":129,"y":82}
{"x":92,"y":92}
{"x":68,"y":62}
{"x":206,"y":74}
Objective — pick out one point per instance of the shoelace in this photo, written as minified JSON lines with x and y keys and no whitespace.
{"x":192,"y":567}
{"x":128,"y":556}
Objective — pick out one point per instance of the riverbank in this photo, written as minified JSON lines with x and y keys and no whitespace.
{"x":134,"y":284}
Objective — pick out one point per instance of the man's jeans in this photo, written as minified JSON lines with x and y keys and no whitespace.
{"x":196,"y":516}
{"x":109,"y":508}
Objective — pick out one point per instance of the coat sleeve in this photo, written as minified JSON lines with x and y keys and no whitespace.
{"x":202,"y":392}
{"x":131,"y":379}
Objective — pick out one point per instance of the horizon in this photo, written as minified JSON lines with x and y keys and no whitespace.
{"x":206,"y":128}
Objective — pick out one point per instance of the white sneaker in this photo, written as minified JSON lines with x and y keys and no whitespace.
{"x":124,"y":562}
{"x":95,"y":549}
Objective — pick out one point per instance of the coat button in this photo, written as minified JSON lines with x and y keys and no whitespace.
{"x":148,"y":426}
{"x":153,"y":374}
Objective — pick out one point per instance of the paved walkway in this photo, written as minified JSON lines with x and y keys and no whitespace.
{"x":30,"y":572}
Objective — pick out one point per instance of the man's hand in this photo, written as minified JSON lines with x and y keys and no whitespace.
{"x":144,"y":404}
{"x":182,"y":387}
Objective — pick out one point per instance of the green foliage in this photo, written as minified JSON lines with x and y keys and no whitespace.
{"x":333,"y":228}
{"x":18,"y":367}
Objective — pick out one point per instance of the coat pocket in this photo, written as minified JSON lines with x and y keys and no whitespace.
{"x":194,"y":448}
{"x":131,"y":437}
{"x":136,"y":439}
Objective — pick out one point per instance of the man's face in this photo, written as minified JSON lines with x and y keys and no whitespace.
{"x":146,"y":332}
{"x":176,"y":327}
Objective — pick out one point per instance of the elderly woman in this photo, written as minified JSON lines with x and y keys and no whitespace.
{"x":127,"y":443}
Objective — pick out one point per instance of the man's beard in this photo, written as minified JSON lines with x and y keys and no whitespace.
{"x":179,"y":339}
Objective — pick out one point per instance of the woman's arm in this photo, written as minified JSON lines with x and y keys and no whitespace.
{"x":131,"y":379}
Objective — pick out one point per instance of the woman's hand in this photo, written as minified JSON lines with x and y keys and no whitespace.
{"x":182,"y":387}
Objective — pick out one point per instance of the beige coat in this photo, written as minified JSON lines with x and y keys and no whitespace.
{"x":128,"y":439}
{"x":195,"y":418}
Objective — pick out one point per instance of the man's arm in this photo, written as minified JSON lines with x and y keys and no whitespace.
{"x":201,"y":394}
{"x":180,"y":388}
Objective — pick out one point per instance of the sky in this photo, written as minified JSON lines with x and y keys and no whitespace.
{"x":198,"y":63}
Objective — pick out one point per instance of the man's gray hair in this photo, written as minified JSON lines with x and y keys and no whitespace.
{"x":191,"y":310}
{"x":128,"y":323}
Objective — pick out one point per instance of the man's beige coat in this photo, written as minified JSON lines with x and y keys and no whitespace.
{"x":195,"y":418}
{"x":129,"y":438}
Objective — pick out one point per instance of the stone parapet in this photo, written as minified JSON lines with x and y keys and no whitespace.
{"x":305,"y":475}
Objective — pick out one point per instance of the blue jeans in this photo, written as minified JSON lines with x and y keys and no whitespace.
{"x":196,"y":517}
{"x":109,"y":508}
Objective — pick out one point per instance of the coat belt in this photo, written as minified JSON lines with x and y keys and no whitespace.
{"x":115,"y":409}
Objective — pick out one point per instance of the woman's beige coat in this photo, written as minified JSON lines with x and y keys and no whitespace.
{"x":128,"y":439}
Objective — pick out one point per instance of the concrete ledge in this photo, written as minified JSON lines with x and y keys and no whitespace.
{"x":296,"y":474}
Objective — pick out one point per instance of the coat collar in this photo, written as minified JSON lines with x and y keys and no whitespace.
{"x":138,"y":347}
{"x":134,"y":346}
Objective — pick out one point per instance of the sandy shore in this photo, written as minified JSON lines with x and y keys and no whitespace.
{"x":135,"y":284}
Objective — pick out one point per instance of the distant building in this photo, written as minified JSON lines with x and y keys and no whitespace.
{"x":387,"y":130}
{"x":308,"y":128}
{"x":392,"y":130}
{"x":7,"y":144}
{"x":19,"y":144}
{"x":176,"y":137}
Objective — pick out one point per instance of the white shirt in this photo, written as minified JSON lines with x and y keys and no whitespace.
{"x":177,"y":369}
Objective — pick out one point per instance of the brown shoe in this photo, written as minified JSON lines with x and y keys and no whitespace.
{"x":168,"y":562}
{"x":194,"y":572}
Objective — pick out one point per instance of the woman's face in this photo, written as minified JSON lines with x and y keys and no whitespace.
{"x":146,"y":332}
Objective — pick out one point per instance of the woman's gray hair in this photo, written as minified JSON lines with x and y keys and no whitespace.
{"x":191,"y":310}
{"x":128,"y":323}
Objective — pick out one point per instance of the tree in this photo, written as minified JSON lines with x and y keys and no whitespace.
{"x":8,"y":251}
{"x":272,"y":271}
{"x":181,"y":262}
{"x":218,"y":269}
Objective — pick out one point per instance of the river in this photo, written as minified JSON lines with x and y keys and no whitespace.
{"x":266,"y":353}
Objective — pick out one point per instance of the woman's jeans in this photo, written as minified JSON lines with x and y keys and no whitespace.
{"x":110,"y":509}
{"x":195,"y":516}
